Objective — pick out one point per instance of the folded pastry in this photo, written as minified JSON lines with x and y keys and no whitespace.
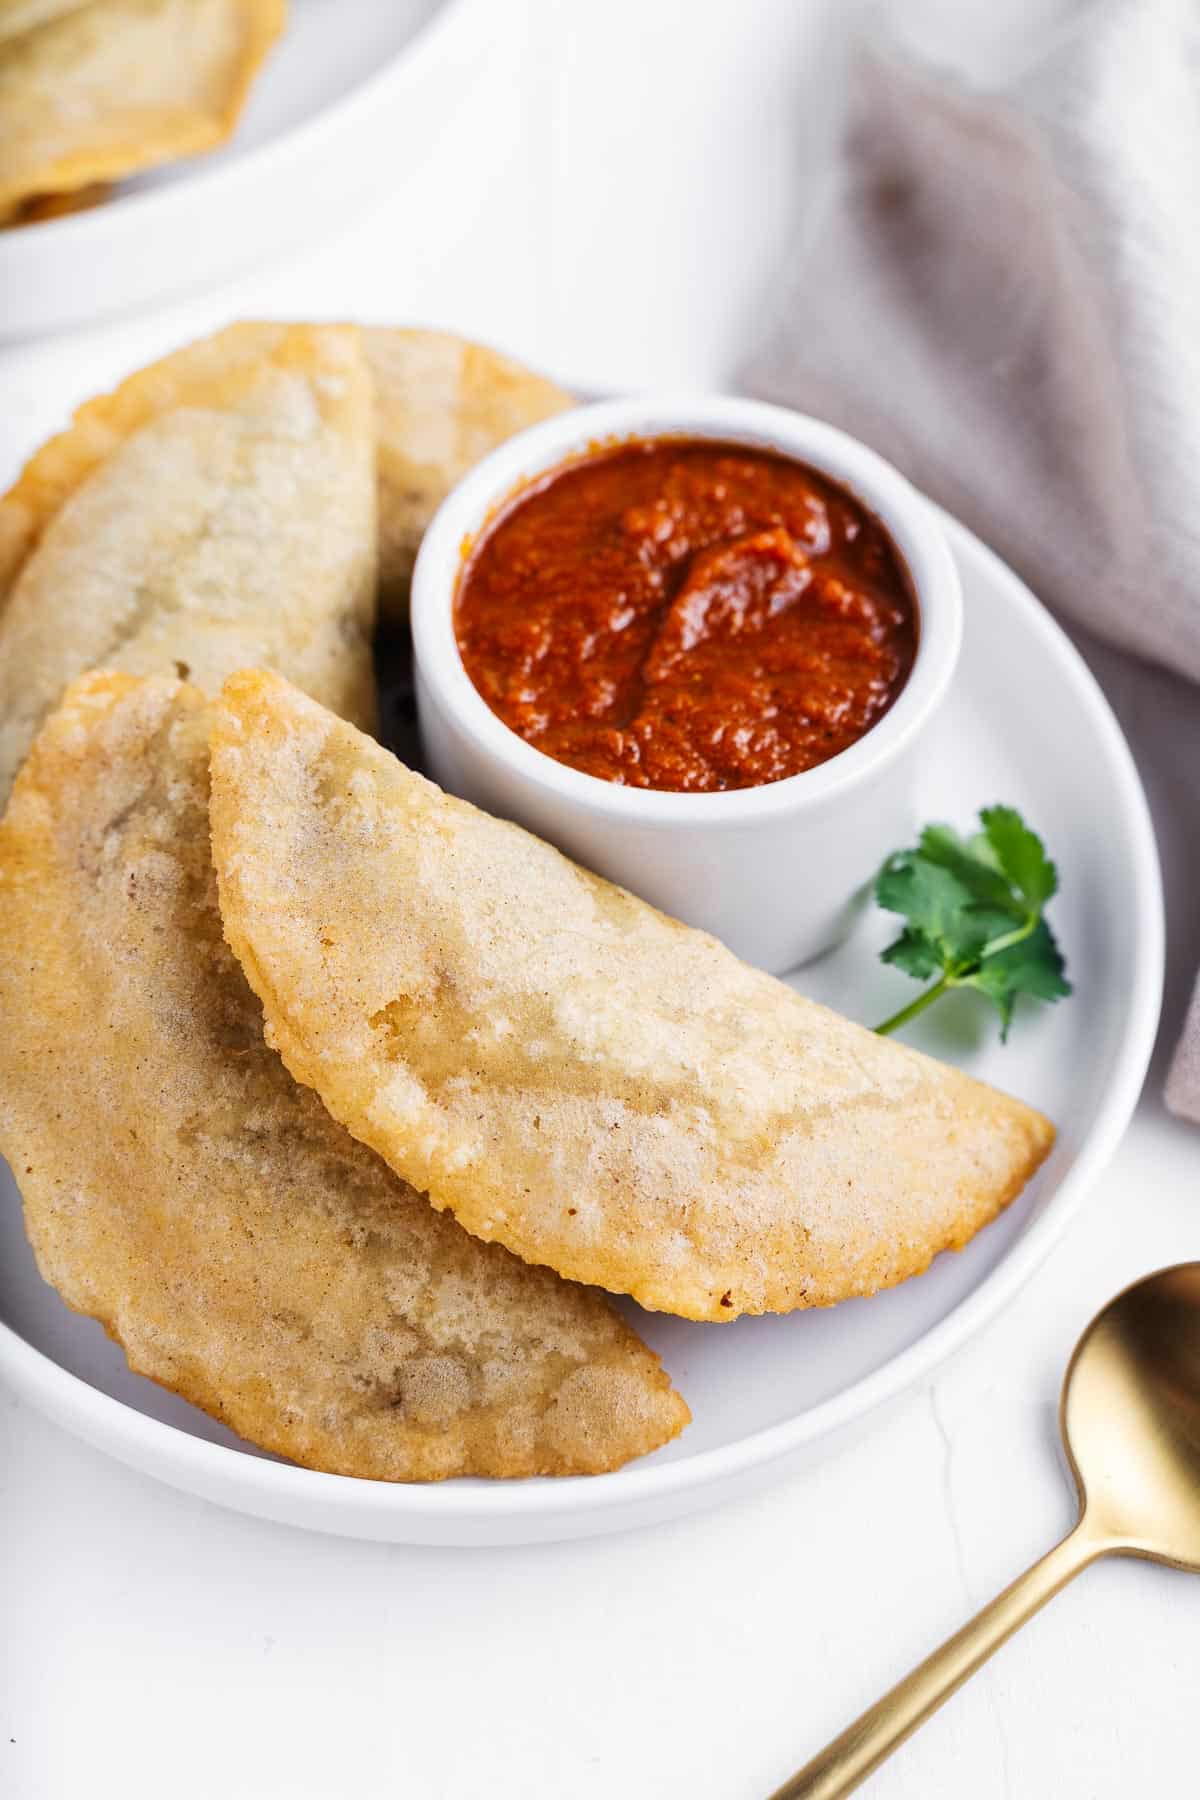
{"x":91,"y":92}
{"x":566,"y":1070}
{"x":440,"y":404}
{"x":217,"y":510}
{"x":183,"y":1189}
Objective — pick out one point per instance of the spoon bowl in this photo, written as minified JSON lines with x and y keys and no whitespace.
{"x":1131,"y":1419}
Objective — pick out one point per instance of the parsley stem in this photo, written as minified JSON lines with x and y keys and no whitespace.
{"x":914,"y":1007}
{"x":953,"y":977}
{"x":1016,"y":936}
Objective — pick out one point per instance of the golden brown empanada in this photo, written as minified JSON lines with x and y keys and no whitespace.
{"x":182,"y":1188}
{"x":571,"y":1073}
{"x":89,"y":93}
{"x":217,"y":510}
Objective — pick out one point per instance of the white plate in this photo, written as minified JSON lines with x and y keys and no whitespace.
{"x":1026,"y":724}
{"x":349,"y":98}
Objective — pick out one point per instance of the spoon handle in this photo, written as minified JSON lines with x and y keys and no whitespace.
{"x":850,"y":1758}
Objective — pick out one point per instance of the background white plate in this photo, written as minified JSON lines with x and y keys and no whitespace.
{"x":1026,"y":724}
{"x":347,"y":101}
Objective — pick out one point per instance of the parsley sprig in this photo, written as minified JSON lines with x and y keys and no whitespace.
{"x":973,"y":909}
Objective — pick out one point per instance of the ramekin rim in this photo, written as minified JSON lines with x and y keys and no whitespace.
{"x":905,"y":513}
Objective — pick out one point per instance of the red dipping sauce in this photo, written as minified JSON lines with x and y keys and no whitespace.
{"x":686,"y":614}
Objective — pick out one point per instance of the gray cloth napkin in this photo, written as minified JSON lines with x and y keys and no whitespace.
{"x":1002,"y":294}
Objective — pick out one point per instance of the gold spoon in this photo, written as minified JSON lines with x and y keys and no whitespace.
{"x":1130,"y":1419}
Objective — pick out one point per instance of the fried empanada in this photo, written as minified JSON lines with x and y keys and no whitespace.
{"x":183,"y":1189}
{"x":441,"y":404}
{"x":90,"y":93}
{"x":207,"y":373}
{"x":571,"y":1073}
{"x":217,"y":510}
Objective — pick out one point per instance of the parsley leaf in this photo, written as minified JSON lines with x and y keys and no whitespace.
{"x":973,"y":915}
{"x":971,"y":864}
{"x":1034,"y":966}
{"x":935,"y":903}
{"x":913,"y":952}
{"x":1020,"y":855}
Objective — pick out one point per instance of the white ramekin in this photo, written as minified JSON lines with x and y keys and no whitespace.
{"x":770,"y":870}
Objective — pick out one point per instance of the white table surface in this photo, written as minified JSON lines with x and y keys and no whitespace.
{"x":614,"y":201}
